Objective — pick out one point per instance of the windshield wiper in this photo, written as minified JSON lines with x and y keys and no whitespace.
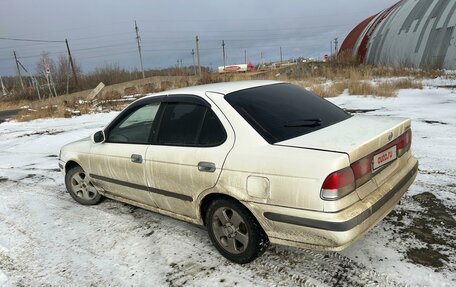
{"x":303,"y":123}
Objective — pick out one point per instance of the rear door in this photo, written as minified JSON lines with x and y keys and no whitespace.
{"x":189,"y":150}
{"x":118,"y":164}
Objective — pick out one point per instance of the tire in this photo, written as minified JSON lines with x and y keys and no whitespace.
{"x":234,"y":231}
{"x":80,"y":187}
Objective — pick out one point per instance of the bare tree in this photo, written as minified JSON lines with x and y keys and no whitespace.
{"x":64,"y":73}
{"x":45,"y":68}
{"x":45,"y":64}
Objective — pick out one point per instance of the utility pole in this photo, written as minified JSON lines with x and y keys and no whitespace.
{"x":198,"y":55}
{"x":335,"y":45}
{"x":3,"y":86}
{"x":245,"y":56}
{"x":34,"y":82}
{"x":193,"y":58}
{"x":18,"y":71}
{"x":281,"y":59}
{"x":72,"y":65}
{"x":139,"y":49}
{"x":224,"y":57}
{"x":262,"y":58}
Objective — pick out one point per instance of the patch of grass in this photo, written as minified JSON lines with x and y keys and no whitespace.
{"x":407,"y":84}
{"x":9,"y":105}
{"x":40,"y":112}
{"x":319,"y":90}
{"x":209,"y":78}
{"x":130,"y":90}
{"x":337,"y":89}
{"x":182,"y":83}
{"x":149,"y":88}
{"x":382,"y":89}
{"x":166,"y":85}
{"x":390,"y":88}
{"x":361,"y":88}
{"x":385,"y":89}
{"x":110,"y":95}
{"x":329,"y":90}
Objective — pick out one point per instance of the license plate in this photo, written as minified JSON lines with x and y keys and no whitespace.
{"x":384,"y":157}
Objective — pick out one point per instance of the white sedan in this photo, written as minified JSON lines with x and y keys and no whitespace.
{"x":253,"y":161}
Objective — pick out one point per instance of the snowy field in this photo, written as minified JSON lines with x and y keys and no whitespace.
{"x":46,"y":238}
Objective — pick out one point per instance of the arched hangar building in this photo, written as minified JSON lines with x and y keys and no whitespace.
{"x":411,"y":33}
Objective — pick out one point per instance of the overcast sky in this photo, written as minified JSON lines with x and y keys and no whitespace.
{"x":101,"y":32}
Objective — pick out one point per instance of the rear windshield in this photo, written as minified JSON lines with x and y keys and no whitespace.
{"x":283,"y":111}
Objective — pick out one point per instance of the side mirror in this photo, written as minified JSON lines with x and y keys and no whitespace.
{"x":98,"y":137}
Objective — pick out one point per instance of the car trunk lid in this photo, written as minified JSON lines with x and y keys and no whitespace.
{"x":361,"y":138}
{"x":357,"y":136}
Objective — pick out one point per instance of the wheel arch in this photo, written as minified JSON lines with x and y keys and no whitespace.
{"x":70,"y":164}
{"x":208,"y":198}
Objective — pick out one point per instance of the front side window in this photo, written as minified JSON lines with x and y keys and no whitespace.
{"x":187,"y":124}
{"x":135,"y":127}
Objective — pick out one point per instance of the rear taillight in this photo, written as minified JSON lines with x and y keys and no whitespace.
{"x":338,"y":184}
{"x":404,"y":143}
{"x":362,"y":170}
{"x":344,"y":181}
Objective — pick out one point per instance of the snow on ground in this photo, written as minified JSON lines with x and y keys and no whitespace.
{"x":48,"y":239}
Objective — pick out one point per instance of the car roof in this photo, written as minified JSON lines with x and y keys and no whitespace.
{"x":221,"y":88}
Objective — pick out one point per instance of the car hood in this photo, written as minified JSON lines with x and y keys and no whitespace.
{"x":357,"y":136}
{"x":78,"y":142}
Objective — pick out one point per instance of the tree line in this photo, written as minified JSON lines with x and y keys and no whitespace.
{"x":55,"y":77}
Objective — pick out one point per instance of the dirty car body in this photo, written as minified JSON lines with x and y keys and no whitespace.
{"x":253,"y":161}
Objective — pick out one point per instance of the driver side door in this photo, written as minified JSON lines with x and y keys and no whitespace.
{"x":118,"y":164}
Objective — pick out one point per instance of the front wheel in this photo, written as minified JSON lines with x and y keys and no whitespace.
{"x":234,"y":231}
{"x":80,"y":187}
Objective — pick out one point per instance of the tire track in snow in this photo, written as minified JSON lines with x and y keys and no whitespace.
{"x":189,"y":257}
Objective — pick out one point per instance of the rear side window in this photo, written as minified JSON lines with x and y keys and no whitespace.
{"x":186,"y":124}
{"x":212,"y":132}
{"x":283,"y":111}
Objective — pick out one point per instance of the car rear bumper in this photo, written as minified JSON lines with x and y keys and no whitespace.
{"x":334,"y":230}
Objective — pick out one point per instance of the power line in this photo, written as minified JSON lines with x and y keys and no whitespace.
{"x":295,"y":33}
{"x":100,"y":47}
{"x":164,"y":49}
{"x":100,"y":36}
{"x":28,"y":46}
{"x":300,"y":28}
{"x":31,"y":40}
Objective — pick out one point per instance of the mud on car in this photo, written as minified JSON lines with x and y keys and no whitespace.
{"x":253,"y":161}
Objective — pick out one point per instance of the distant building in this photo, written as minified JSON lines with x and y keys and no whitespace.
{"x":411,"y":33}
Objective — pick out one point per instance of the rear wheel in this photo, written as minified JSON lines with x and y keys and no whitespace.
{"x":80,"y":187}
{"x":234,"y":231}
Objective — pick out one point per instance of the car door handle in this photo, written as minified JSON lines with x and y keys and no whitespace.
{"x":205,"y":166}
{"x":136,"y":158}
